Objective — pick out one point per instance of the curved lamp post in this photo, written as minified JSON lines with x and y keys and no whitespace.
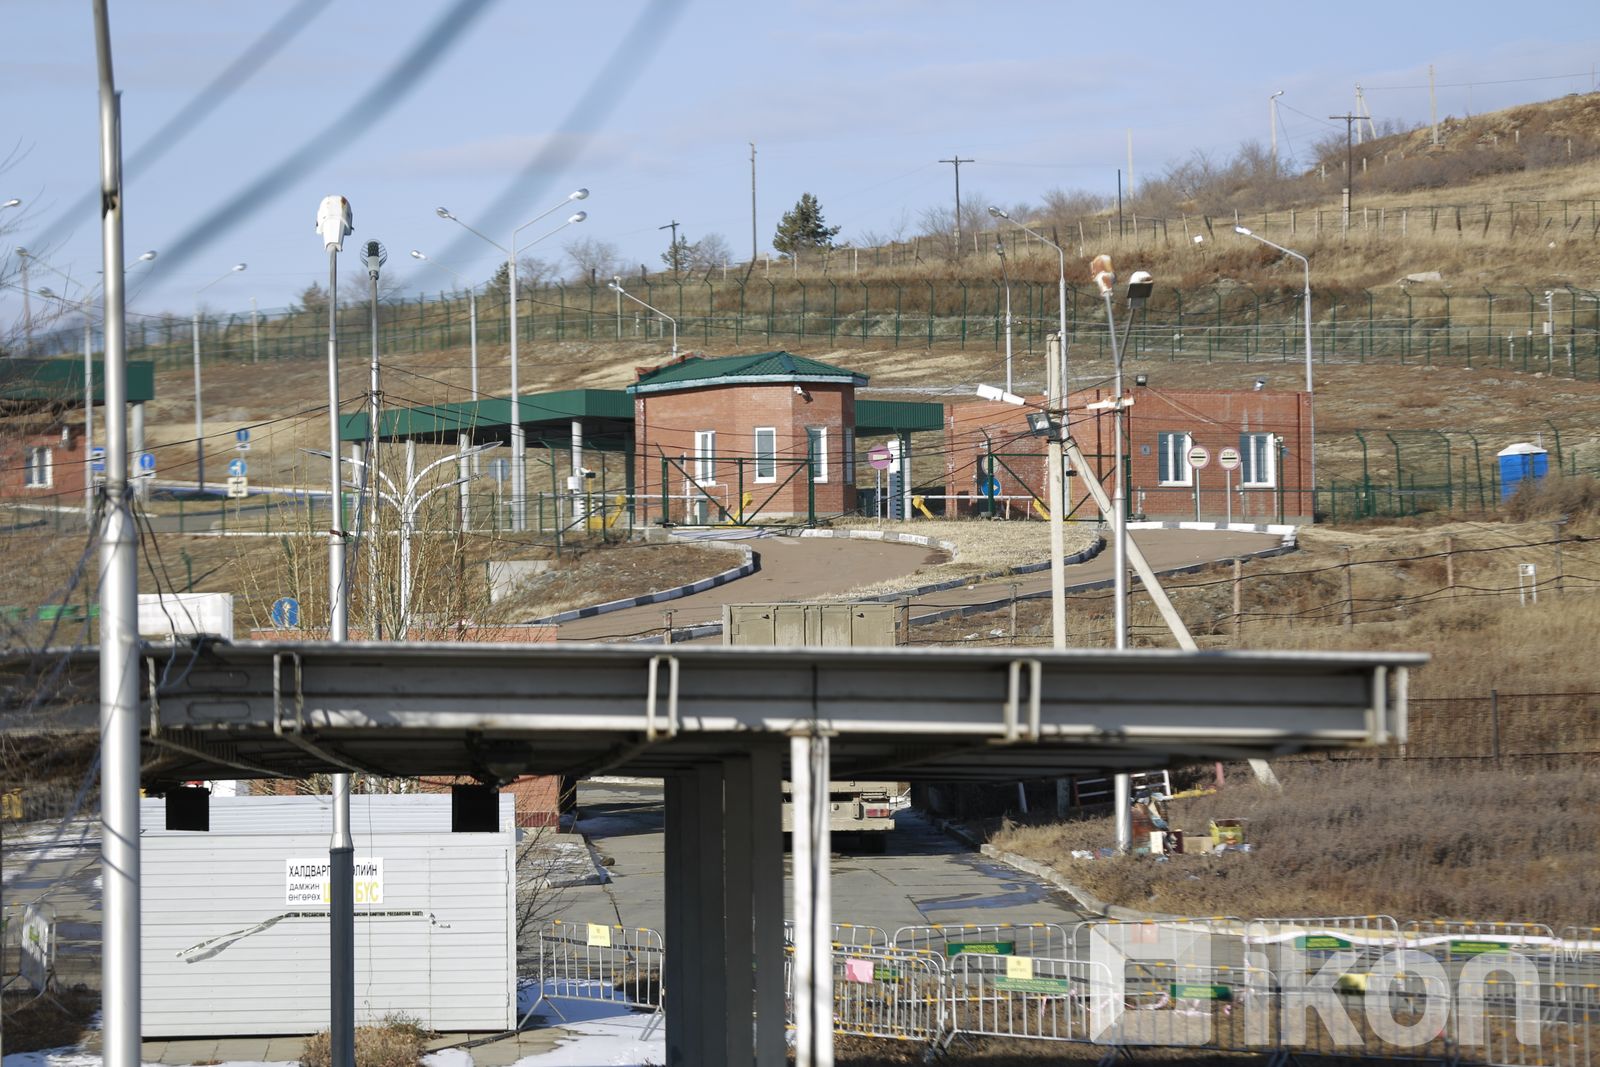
{"x":199,"y":429}
{"x":519,"y":508}
{"x":616,"y":287}
{"x":1311,"y":397}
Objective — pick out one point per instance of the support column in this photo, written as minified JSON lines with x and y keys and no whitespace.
{"x":712,"y":973}
{"x":766,"y":864}
{"x":684,"y":964}
{"x":575,"y":482}
{"x":813,"y":905}
{"x":738,"y":882}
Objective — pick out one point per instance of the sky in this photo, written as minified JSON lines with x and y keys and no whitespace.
{"x":497,"y":109}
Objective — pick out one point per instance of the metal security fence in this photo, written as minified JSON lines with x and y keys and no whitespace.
{"x":888,"y":993}
{"x":1027,"y":997}
{"x":603,"y":962}
{"x":1555,"y":332}
{"x":951,"y":940}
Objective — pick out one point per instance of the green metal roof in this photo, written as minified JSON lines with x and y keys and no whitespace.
{"x":697,"y":371}
{"x":896,"y":416}
{"x":440,"y":421}
{"x":60,"y":381}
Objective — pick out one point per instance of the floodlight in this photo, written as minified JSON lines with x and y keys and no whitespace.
{"x":334,"y":220}
{"x":1244,"y":230}
{"x":1040,"y":424}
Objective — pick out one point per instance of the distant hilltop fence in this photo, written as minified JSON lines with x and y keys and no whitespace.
{"x":1554,"y":332}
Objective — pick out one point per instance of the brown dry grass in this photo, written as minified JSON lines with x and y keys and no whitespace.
{"x":56,"y":1021}
{"x":398,"y":1041}
{"x":1346,"y":838}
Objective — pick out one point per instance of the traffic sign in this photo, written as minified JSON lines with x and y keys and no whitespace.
{"x":237,"y":468}
{"x":241,"y":440}
{"x":147,"y":463}
{"x":97,"y":459}
{"x":991,"y":486}
{"x":1199,"y":457}
{"x":1228,"y":459}
{"x":286,"y":612}
{"x":238,"y":488}
{"x":880,"y":457}
{"x":500,"y":468}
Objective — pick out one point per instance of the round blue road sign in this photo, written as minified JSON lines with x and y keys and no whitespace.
{"x":286,"y":612}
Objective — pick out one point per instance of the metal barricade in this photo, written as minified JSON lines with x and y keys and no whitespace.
{"x":1572,"y":1007}
{"x":1186,"y":1005}
{"x":1026,"y":997}
{"x":1452,"y":941}
{"x":848,"y":935}
{"x":599,"y":962}
{"x":889,"y":993}
{"x":948,"y":940}
{"x":1134,"y":930}
{"x":37,"y":937}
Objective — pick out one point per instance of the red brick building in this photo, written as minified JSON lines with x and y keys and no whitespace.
{"x":1268,"y":430}
{"x":737,"y":436}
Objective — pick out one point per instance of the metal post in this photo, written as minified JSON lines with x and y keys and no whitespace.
{"x":1055,"y":490}
{"x":141,"y":485}
{"x":341,"y":851}
{"x":370,"y":476}
{"x":1123,"y":801}
{"x":199,"y":422}
{"x":800,"y":787}
{"x":255,"y":333}
{"x":88,"y":417}
{"x":408,"y":523}
{"x":119,"y":662}
{"x":1238,"y":598}
{"x":1349,"y":592}
{"x":472,"y":325}
{"x":519,"y":484}
{"x":766,"y":861}
{"x":576,"y":460}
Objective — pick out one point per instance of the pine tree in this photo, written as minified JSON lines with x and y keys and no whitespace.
{"x":679,"y":255}
{"x":803,"y":228}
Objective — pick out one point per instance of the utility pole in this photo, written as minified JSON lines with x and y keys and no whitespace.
{"x":672,"y":249}
{"x":1272,"y":121}
{"x":1130,"y":164}
{"x":1433,"y":107}
{"x":752,"y":205}
{"x":1349,"y":119}
{"x":27,"y":310}
{"x":957,"y":161}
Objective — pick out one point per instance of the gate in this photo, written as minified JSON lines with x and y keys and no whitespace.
{"x":598,"y":962}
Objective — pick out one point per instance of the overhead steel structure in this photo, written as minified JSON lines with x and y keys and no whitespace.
{"x":723,"y":727}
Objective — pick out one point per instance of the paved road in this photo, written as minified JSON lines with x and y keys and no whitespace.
{"x":808,"y":568}
{"x":922,"y":877}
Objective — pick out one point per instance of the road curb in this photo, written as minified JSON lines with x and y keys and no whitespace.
{"x":661,"y":596}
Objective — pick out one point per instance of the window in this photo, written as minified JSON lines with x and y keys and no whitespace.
{"x":817,"y":451}
{"x":41,"y":468}
{"x":1258,"y":459}
{"x":1173,"y":459}
{"x":705,"y":456}
{"x":766,"y":454}
{"x":849,"y":436}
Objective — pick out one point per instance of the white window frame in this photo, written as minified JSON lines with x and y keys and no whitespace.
{"x":1267,"y":443}
{"x":767,"y":456}
{"x":40,"y":472}
{"x":1177,"y":458}
{"x":705,"y":457}
{"x":817,"y":450}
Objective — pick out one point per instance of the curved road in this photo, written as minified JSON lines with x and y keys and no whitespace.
{"x":794,"y":568}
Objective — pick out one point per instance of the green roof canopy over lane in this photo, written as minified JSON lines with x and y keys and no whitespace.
{"x":490,"y":418}
{"x":60,"y":381}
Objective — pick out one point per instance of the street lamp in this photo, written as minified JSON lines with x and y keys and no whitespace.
{"x":616,"y":287}
{"x":199,"y":428}
{"x":1005,"y":277}
{"x":13,"y":202}
{"x":1311,"y":399}
{"x":518,"y":436}
{"x":1055,"y":404}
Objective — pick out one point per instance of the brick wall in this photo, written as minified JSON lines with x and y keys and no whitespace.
{"x":66,"y":474}
{"x":665,"y":424}
{"x":1214,"y":420}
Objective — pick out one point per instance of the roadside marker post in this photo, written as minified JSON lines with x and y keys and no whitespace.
{"x":1198,"y":457}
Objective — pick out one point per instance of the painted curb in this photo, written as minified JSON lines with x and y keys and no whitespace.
{"x":744,"y":569}
{"x":1086,"y":900}
{"x":1286,"y":531}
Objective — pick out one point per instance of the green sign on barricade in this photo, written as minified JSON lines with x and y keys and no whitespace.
{"x":1477,"y":948}
{"x":1033,"y":985}
{"x":1320,"y":943}
{"x":980,"y":948}
{"x":880,"y":973}
{"x":1194,"y":991}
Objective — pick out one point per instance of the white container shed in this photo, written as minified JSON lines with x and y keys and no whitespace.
{"x":235,"y":927}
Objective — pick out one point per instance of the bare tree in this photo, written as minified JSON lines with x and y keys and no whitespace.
{"x":594,"y":258}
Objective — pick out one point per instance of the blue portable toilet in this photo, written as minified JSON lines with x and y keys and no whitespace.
{"x":1518,"y":462}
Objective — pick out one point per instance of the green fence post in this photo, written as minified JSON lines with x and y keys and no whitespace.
{"x":833,"y":313}
{"x":898,"y":295}
{"x":665,"y":498}
{"x":866,"y":308}
{"x":800,"y":327}
{"x":963,"y":285}
{"x":772,"y":308}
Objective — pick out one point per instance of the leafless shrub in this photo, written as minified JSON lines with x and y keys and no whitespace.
{"x":398,"y":1041}
{"x":1558,"y":496}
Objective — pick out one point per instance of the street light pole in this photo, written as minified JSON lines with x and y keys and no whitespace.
{"x":1311,"y":398}
{"x":616,"y":287}
{"x":333,"y":223}
{"x":1005,"y":277}
{"x":519,"y":504}
{"x":472,"y":320}
{"x":199,"y":421}
{"x":373,"y":257}
{"x":1056,"y":403}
